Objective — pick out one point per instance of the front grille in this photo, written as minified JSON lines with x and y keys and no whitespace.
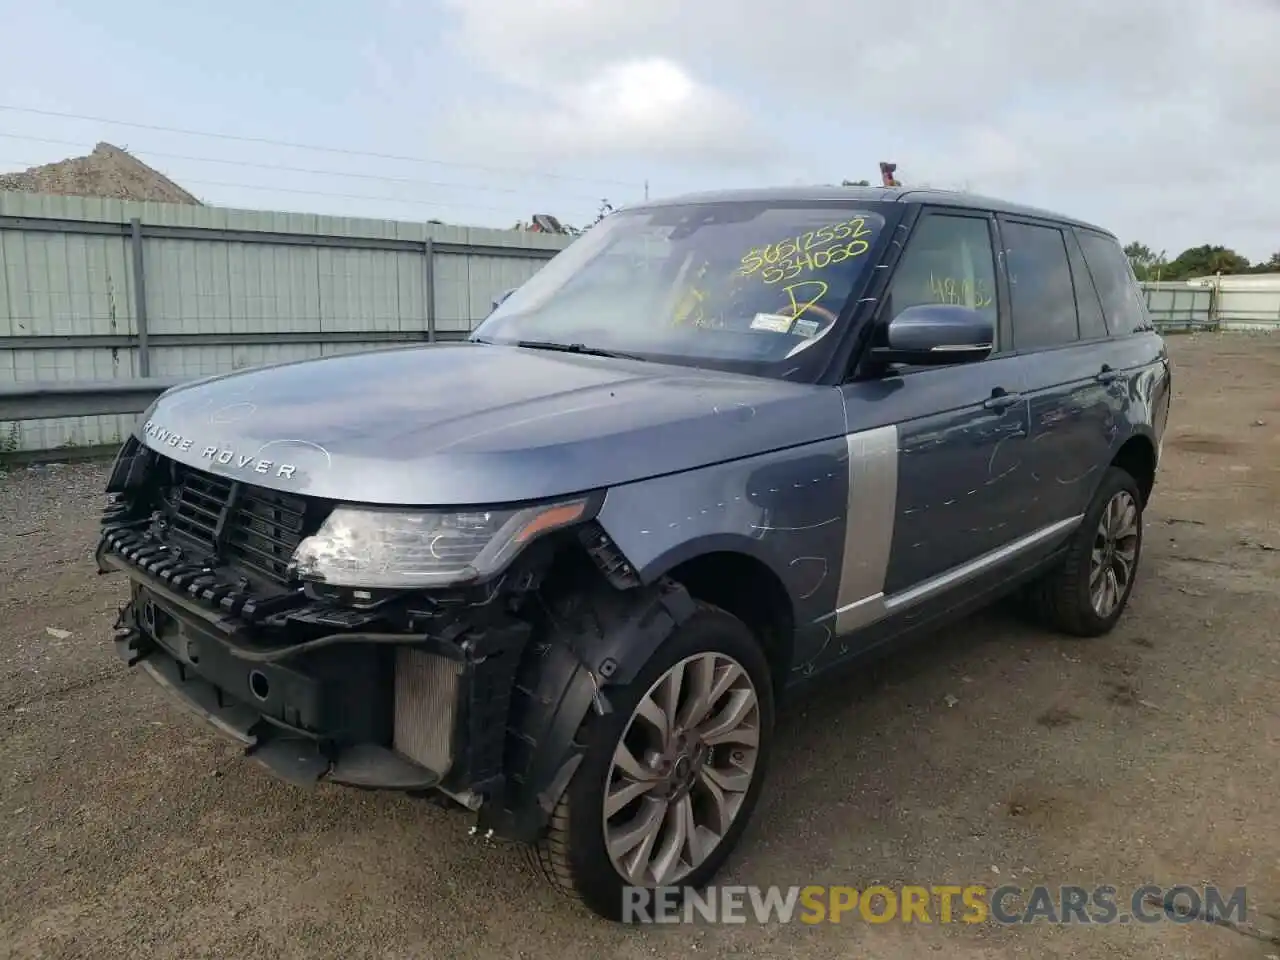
{"x":198,"y":502}
{"x":248,"y":528}
{"x":266,"y":529}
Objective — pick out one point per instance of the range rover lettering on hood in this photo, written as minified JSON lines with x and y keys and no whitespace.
{"x":216,"y":454}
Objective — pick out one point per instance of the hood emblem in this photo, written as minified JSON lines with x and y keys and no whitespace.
{"x":221,"y":455}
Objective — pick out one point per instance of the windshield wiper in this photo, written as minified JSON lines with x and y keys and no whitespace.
{"x":573,"y":348}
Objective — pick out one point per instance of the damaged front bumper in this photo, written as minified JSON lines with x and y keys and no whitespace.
{"x":423,"y":710}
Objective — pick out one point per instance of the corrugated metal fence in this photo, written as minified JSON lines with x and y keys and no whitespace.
{"x":1228,"y":306}
{"x":105,"y":289}
{"x":1179,"y":307}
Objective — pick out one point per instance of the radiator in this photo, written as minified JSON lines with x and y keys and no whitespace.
{"x":426,"y":692}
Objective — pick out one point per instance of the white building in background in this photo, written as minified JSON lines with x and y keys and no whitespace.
{"x":1243,"y":281}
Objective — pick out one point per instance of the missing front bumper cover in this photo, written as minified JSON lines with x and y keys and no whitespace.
{"x":427,"y":713}
{"x":292,"y":756}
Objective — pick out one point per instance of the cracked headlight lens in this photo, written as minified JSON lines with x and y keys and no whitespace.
{"x":374,"y":547}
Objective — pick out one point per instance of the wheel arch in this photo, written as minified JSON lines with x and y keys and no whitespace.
{"x":743,"y":584}
{"x":1138,"y":457}
{"x":739,"y":575}
{"x":599,"y":635}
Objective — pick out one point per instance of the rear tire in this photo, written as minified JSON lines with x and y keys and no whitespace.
{"x":1087,"y":592}
{"x":689,"y":795}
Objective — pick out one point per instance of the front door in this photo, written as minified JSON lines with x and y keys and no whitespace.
{"x":959,"y":432}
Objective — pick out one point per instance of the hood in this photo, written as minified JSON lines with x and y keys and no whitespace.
{"x":465,"y":423}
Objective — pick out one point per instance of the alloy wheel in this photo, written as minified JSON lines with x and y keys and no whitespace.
{"x":1115,"y":554}
{"x":681,"y":770}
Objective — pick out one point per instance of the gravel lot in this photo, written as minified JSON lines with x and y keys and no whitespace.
{"x":129,"y":829}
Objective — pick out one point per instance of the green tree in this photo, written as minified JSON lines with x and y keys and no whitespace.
{"x":1205,"y":261}
{"x":1139,"y":252}
{"x":1147,"y":264}
{"x":1270,"y":265}
{"x":855,"y":183}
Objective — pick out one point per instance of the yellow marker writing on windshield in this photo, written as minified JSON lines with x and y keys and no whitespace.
{"x":798,"y":306}
{"x":814,"y":250}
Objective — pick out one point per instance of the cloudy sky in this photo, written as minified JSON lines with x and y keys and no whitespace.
{"x":1157,"y":118}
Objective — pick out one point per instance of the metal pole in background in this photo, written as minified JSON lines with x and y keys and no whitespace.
{"x":140,"y":297}
{"x":429,"y":286}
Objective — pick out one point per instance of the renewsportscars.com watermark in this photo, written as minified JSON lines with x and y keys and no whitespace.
{"x":938,"y":904}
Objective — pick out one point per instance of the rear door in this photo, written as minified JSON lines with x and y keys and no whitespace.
{"x":1060,"y":336}
{"x":1137,"y":353}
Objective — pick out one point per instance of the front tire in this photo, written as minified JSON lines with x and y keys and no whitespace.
{"x":671,"y":776}
{"x":1088,"y":591}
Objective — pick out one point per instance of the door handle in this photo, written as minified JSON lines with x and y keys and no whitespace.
{"x":1001,"y":399}
{"x":1107,"y":374}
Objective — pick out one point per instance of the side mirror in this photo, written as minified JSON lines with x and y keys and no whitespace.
{"x":498,"y":300}
{"x":935,"y":334}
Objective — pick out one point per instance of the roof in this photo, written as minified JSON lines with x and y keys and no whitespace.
{"x":913,"y":195}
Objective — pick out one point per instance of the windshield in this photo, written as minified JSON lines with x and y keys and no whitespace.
{"x":746,"y":286}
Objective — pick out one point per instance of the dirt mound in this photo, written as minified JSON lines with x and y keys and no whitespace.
{"x":107,"y":172}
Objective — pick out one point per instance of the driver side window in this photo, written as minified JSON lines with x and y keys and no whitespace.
{"x":949,"y":259}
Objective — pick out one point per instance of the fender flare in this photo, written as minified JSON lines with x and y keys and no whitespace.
{"x":604,"y":637}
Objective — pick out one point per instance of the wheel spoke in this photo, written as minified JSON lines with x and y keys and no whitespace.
{"x":666,"y":860}
{"x":1124,"y":565}
{"x":1113,"y":515}
{"x":695,"y":849}
{"x":671,"y":694}
{"x":622,"y":794}
{"x":729,"y":726}
{"x":1096,"y":592}
{"x":726,"y":677}
{"x":734,"y":780}
{"x":1128,"y":525}
{"x":719,"y":801}
{"x":1096,"y":569}
{"x":1113,"y":589}
{"x":638,"y":838}
{"x":627,"y":762}
{"x":702,"y":675}
{"x":656,"y":717}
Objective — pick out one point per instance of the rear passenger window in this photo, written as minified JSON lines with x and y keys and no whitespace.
{"x":1122,"y":301}
{"x":1089,"y":307}
{"x":1043,"y":299}
{"x":949,"y":259}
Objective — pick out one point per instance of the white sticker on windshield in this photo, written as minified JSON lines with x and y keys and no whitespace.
{"x":805,"y":328}
{"x":773,"y":322}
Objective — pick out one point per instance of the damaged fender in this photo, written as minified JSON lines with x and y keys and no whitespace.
{"x":601,"y":640}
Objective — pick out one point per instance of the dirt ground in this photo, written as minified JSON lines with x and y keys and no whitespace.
{"x":128,"y":829}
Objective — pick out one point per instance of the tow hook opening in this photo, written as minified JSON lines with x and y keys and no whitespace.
{"x":259,"y":685}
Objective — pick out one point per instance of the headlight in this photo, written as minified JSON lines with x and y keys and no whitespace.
{"x":374,"y":547}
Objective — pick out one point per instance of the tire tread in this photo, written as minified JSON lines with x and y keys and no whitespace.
{"x":1054,"y":599}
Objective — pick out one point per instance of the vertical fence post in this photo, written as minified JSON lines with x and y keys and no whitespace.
{"x":429,"y":286}
{"x":140,"y":297}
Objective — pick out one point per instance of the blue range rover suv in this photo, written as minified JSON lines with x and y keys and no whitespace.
{"x":561,"y":574}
